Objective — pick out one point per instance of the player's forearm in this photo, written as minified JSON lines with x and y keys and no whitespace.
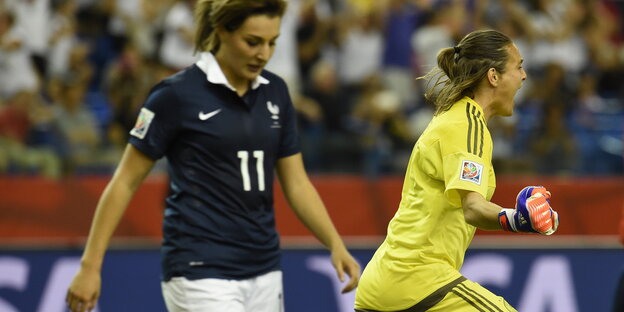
{"x":109,"y":211}
{"x":309,"y":208}
{"x":479,"y":212}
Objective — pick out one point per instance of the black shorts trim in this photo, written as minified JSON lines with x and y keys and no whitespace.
{"x":430,"y":300}
{"x":472,"y":303}
{"x":489,"y":305}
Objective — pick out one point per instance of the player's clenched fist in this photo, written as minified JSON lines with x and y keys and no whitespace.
{"x":532,"y":214}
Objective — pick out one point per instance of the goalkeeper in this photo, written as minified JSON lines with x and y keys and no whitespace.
{"x":448,"y":185}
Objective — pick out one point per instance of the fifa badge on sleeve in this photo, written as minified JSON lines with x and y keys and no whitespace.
{"x":142,"y":124}
{"x":471,"y":172}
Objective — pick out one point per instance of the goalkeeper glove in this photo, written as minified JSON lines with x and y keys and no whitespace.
{"x":532,"y":214}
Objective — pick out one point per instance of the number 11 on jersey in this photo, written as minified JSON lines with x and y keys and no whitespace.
{"x":244,"y":167}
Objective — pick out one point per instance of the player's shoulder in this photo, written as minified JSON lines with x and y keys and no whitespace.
{"x":449,"y":125}
{"x":460,"y":116}
{"x":182,"y":82}
{"x":191,"y":77}
{"x":276,"y":82}
{"x":272,"y":77}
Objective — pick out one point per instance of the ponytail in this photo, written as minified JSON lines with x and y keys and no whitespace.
{"x":462,"y":67}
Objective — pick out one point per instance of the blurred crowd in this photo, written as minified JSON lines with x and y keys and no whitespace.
{"x":73,"y":74}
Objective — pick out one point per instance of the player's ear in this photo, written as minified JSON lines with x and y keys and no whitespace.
{"x":220,"y":33}
{"x":493,"y":77}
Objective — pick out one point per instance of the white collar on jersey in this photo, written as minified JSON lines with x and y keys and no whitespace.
{"x":209,"y":65}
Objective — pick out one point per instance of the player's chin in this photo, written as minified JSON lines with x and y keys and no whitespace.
{"x":509,"y":108}
{"x":252,"y":72}
{"x":508,"y":111}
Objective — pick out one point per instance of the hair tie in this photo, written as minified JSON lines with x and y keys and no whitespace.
{"x":457,"y":49}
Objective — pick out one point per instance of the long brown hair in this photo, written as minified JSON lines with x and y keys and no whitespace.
{"x":461,"y":68}
{"x":229,"y":14}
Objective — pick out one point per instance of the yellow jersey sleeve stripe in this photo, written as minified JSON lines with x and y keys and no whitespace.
{"x":474,"y":139}
{"x":482,"y":127}
{"x":476,"y":133}
{"x":469,"y":133}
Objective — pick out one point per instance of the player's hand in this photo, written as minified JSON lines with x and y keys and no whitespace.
{"x":84,"y":291}
{"x":533,"y":212}
{"x":345,"y":263}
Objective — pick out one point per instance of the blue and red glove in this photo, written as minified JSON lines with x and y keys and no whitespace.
{"x":532,"y":214}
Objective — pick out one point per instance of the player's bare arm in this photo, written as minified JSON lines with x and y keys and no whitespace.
{"x":532,"y":213}
{"x":309,"y":208}
{"x":85,"y":288}
{"x":480,"y":212}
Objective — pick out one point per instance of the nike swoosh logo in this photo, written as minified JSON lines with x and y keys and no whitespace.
{"x":206,"y":116}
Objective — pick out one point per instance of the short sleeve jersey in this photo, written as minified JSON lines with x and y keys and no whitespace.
{"x":428,"y":236}
{"x":221,"y":151}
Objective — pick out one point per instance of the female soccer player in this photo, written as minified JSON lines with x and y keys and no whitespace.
{"x":225,"y":125}
{"x":448,"y":185}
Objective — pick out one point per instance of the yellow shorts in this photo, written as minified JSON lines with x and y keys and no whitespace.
{"x":461,"y":295}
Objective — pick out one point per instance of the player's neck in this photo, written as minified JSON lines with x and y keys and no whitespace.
{"x":485,"y":101}
{"x":240,"y":84}
{"x":242,"y":89}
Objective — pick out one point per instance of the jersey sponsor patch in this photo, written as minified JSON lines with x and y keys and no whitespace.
{"x":471,"y":172}
{"x":142,"y":124}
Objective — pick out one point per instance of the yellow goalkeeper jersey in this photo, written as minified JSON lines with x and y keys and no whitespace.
{"x":428,"y":236}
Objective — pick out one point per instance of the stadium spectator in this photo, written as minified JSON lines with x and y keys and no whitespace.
{"x":63,"y":35}
{"x":285,"y":60}
{"x":443,"y":24}
{"x":382,"y":129}
{"x":140,"y":22}
{"x":335,"y":147}
{"x":360,"y":48}
{"x":400,"y":20}
{"x":128,"y":79}
{"x":553,"y":146}
{"x":20,"y":117}
{"x":17,"y":71}
{"x":313,"y":37}
{"x":33,"y":18}
{"x":83,"y":143}
{"x":604,"y":34}
{"x":176,"y":50}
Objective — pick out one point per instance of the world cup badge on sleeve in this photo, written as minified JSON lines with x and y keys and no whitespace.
{"x":471,"y":172}
{"x":142,"y":124}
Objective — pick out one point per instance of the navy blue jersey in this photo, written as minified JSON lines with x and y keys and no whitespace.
{"x":221,"y":151}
